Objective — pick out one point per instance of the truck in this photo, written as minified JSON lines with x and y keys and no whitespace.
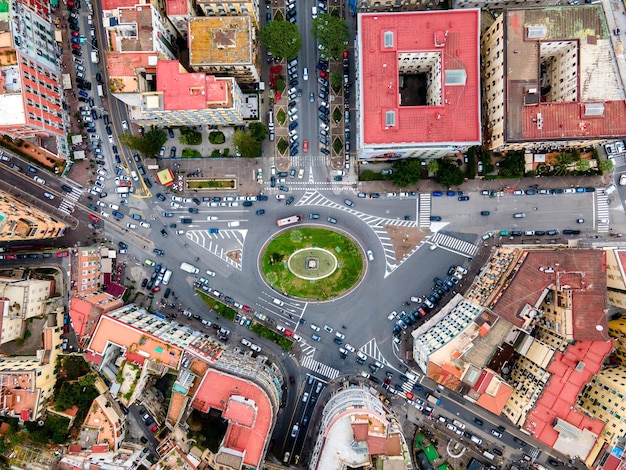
{"x":100,"y":91}
{"x":433,"y":399}
{"x":122,"y":190}
{"x":191,"y":269}
{"x":94,"y":57}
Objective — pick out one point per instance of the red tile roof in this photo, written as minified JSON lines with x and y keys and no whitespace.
{"x":452,"y":34}
{"x":79,"y":313}
{"x":240,"y":412}
{"x":176,"y":7}
{"x":215,"y":392}
{"x":559,"y":396}
{"x":114,"y":4}
{"x":182,"y":90}
{"x":584,"y":271}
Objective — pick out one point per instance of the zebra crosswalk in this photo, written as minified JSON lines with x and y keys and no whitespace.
{"x":319,"y":368}
{"x":220,"y":244}
{"x":454,"y":244}
{"x":602,"y":209}
{"x":307,"y":161}
{"x":371,"y":349}
{"x":425,"y":200}
{"x":68,"y":203}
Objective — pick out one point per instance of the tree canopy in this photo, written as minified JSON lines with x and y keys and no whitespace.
{"x":149,"y":144}
{"x":246,"y":144}
{"x":331,"y":32}
{"x":449,"y":174}
{"x":281,"y":38}
{"x":258,"y":130}
{"x":406,"y":171}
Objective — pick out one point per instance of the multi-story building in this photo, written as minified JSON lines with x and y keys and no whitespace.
{"x":21,"y":299}
{"x":22,"y":221}
{"x":239,"y":8}
{"x":355,"y":431}
{"x":31,"y":96}
{"x":192,"y":99}
{"x":616,"y":277}
{"x":27,"y":382}
{"x":179,"y":12}
{"x":418,"y":87}
{"x":225,"y":46}
{"x":105,"y":420}
{"x":541,"y":85}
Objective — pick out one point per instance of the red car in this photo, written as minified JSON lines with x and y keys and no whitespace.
{"x":305,"y":146}
{"x":324,"y":75}
{"x":289,"y":333}
{"x":75,"y":46}
{"x":247,"y":309}
{"x":70,"y":3}
{"x":62,"y":254}
{"x":75,"y":34}
{"x":345,"y":54}
{"x":421,"y":311}
{"x":11,"y":256}
{"x":156,"y":289}
{"x":94,"y":218}
{"x":154,"y":428}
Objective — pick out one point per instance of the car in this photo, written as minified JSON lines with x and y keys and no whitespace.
{"x":289,"y":200}
{"x":305,"y":146}
{"x":173,"y":152}
{"x":370,"y":255}
{"x":332,"y":220}
{"x":164,"y":233}
{"x":314,"y":327}
{"x":496,"y":433}
{"x":315,"y":337}
{"x":348,"y":203}
{"x":463,"y":198}
{"x":622,"y":180}
{"x":553,"y":462}
{"x":48,"y":195}
{"x":484,"y":212}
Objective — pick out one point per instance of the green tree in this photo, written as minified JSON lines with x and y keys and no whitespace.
{"x":433,"y":166}
{"x":513,"y":165}
{"x":246,"y":144}
{"x":331,"y":32}
{"x":406,"y":171}
{"x":449,"y":174}
{"x":583,"y":165}
{"x":606,"y":165}
{"x":258,"y":130}
{"x":281,"y":38}
{"x":336,"y":80}
{"x":149,"y":144}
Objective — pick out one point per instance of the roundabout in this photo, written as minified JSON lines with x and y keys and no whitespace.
{"x":310,"y":263}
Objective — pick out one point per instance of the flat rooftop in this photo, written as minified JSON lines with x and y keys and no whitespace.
{"x":421,"y":71}
{"x":226,"y":40}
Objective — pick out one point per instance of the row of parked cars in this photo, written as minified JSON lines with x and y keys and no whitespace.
{"x":426,"y":302}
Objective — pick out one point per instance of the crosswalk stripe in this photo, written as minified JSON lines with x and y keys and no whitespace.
{"x":602,"y":210}
{"x":425,"y":200}
{"x":322,"y":369}
{"x":454,"y":244}
{"x":205,"y":240}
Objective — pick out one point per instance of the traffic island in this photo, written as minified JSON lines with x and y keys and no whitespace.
{"x":312,"y":263}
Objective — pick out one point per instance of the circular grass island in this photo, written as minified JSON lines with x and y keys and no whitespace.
{"x":312,"y":263}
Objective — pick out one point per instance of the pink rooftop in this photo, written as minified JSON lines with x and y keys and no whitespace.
{"x":189,"y":91}
{"x":452,"y":34}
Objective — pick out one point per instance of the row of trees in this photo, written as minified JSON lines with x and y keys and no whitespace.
{"x":408,"y":172}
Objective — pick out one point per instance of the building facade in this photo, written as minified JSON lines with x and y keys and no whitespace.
{"x":616,"y":277}
{"x":240,"y":8}
{"x":21,"y":299}
{"x":31,"y":95}
{"x":21,"y":221}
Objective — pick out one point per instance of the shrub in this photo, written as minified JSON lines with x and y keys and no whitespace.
{"x":280,"y":85}
{"x":337,"y":115}
{"x":281,"y":116}
{"x":190,"y":137}
{"x":216,"y":153}
{"x":217,"y":137}
{"x":369,"y":175}
{"x":282,"y":145}
{"x":337,"y":145}
{"x":191,"y":153}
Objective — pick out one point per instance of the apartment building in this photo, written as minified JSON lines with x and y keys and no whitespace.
{"x":179,"y":12}
{"x":21,"y":299}
{"x":225,"y":46}
{"x":22,"y":221}
{"x":31,"y":95}
{"x":106,"y":421}
{"x":192,"y":99}
{"x":616,"y":276}
{"x":541,"y":86}
{"x":239,"y":8}
{"x":417,"y":84}
{"x":355,"y":428}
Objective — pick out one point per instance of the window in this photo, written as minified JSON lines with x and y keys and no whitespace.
{"x":390,"y":118}
{"x":388,"y":38}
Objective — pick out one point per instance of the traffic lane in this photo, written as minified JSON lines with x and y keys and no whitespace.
{"x":541,"y":212}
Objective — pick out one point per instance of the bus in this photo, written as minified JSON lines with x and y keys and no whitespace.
{"x":294,"y":219}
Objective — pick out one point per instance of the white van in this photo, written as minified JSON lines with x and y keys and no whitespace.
{"x":167,"y":276}
{"x":236,"y":223}
{"x":477,"y":440}
{"x":133,"y":175}
{"x":115,"y":207}
{"x":314,"y":12}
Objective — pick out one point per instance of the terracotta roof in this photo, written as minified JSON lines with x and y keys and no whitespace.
{"x":176,"y":7}
{"x":114,"y":4}
{"x":240,"y":412}
{"x":449,"y":38}
{"x":585,"y":268}
{"x":360,"y":430}
{"x":495,"y":402}
{"x":215,"y":392}
{"x":377,"y":445}
{"x":79,"y":313}
{"x":570,"y":371}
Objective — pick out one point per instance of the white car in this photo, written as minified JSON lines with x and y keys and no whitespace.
{"x":131,"y":226}
{"x":370,"y":255}
{"x":125,"y":125}
{"x":102,"y":172}
{"x":39,"y":180}
{"x":101,"y":204}
{"x":175,"y":205}
{"x":106,"y":215}
{"x":281,"y":328}
{"x":340,"y":335}
{"x":255,"y":348}
{"x":210,"y":273}
{"x":305,"y":73}
{"x":187,"y":200}
{"x":297,"y":337}
{"x":212,"y":217}
{"x":392,"y":315}
{"x":177,"y":199}
{"x":144,"y":224}
{"x":111,"y":139}
{"x":314,"y":327}
{"x":349,"y":347}
{"x":622,"y":180}
{"x":134,"y":176}
{"x":245,"y":342}
{"x":278,"y":302}
{"x":300,"y":173}
{"x":50,"y":196}
{"x":280,"y":196}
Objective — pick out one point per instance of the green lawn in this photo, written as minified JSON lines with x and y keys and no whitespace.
{"x":211,"y":184}
{"x":348,"y":273}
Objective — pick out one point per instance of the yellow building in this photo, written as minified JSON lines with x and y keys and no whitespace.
{"x":616,"y":277}
{"x":240,"y":8}
{"x":21,"y":299}
{"x":617,"y":331}
{"x":225,"y":46}
{"x":20,"y":221}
